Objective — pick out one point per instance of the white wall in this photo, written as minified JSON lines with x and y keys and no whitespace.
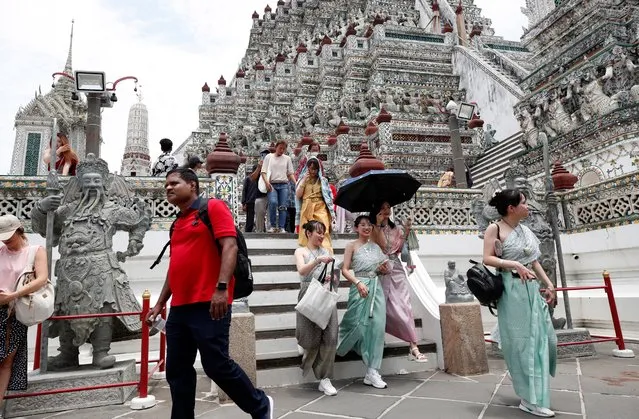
{"x":494,"y":100}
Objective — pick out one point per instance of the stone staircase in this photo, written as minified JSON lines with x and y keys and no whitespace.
{"x":495,"y":161}
{"x":273,"y":302}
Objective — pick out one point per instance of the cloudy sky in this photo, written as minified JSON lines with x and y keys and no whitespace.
{"x":171,"y":46}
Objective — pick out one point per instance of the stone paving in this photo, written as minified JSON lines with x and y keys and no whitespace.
{"x":594,"y":387}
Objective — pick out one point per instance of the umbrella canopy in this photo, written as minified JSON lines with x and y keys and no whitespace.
{"x":365,"y":192}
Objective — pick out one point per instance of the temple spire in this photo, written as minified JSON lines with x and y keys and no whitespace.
{"x":68,"y":67}
{"x":64,"y":85}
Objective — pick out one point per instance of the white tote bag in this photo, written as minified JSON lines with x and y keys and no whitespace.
{"x":261,"y":185}
{"x":318,"y":302}
{"x":37,"y":306}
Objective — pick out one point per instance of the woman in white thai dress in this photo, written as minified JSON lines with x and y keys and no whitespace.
{"x":318,"y":346}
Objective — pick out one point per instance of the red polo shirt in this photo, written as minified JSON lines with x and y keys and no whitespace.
{"x":194,"y":266}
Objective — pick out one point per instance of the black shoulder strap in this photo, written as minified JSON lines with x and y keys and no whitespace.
{"x":203,"y":215}
{"x":159,"y":258}
{"x":498,"y":231}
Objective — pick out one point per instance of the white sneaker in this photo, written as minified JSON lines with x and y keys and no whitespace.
{"x":326,"y":386}
{"x":372,"y":378}
{"x":271,"y":407}
{"x":271,"y":230}
{"x":536,"y":410}
{"x":300,"y":350}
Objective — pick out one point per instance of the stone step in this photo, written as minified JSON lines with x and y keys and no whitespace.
{"x":290,"y":356}
{"x":282,"y":297}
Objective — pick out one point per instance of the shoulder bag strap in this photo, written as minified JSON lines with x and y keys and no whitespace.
{"x":498,"y":231}
{"x":322,"y":275}
{"x":30,"y":266}
{"x":331,"y":276}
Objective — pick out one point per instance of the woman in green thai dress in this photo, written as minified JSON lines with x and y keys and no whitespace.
{"x":362,"y":328}
{"x":528,"y":340}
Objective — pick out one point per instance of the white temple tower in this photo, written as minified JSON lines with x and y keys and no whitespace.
{"x":136,"y":160}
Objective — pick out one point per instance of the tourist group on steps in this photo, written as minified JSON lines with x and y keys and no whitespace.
{"x":200,"y":283}
{"x":379,"y":299}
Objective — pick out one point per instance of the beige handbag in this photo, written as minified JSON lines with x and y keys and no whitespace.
{"x":37,"y":306}
{"x":318,"y":302}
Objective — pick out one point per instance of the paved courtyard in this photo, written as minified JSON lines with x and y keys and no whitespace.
{"x":596,"y":387}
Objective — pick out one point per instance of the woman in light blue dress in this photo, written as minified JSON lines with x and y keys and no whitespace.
{"x":528,"y":340}
{"x":363,"y":325}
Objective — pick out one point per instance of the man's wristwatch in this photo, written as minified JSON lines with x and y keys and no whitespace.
{"x":221,"y":286}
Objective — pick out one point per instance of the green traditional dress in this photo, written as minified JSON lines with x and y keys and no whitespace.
{"x":363,"y":325}
{"x":528,"y":340}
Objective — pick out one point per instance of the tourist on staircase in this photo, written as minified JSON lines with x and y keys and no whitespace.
{"x":249,"y":195}
{"x":362,"y":327}
{"x":66,"y":159}
{"x":290,"y":209}
{"x":528,"y":339}
{"x":165,"y":162}
{"x":319,"y":345}
{"x":261,"y":198}
{"x":15,"y":255}
{"x":399,"y":312}
{"x":447,"y":180}
{"x":314,"y":200}
{"x":200,"y":284}
{"x":277,"y":171}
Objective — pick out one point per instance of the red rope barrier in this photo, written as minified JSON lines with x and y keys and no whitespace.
{"x":145,"y":375}
{"x":607,"y":287}
{"x":143,"y":388}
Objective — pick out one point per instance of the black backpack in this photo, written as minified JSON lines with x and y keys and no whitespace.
{"x":486,"y":286}
{"x":243,"y":272}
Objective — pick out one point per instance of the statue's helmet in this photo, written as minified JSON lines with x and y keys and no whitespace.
{"x":93,"y":164}
{"x":516,"y":177}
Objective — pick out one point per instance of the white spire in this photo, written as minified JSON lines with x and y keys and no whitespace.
{"x":136,"y":160}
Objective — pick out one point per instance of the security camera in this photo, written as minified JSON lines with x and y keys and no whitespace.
{"x":575,"y":257}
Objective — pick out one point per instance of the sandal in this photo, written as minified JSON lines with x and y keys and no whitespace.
{"x":415,"y":355}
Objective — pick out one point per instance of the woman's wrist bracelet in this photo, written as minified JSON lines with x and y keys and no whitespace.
{"x":357,"y":283}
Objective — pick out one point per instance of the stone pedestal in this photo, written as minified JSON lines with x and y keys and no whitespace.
{"x":84,"y":376}
{"x":463,"y":339}
{"x":242,"y":347}
{"x":572,"y":351}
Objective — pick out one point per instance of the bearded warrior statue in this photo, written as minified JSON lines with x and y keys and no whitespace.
{"x":94,"y":206}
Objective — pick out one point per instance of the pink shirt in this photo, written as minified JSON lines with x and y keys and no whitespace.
{"x":11,"y":266}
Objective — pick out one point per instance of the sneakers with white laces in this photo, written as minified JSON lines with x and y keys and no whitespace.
{"x":326,"y":387}
{"x":536,"y":410}
{"x":372,"y":378}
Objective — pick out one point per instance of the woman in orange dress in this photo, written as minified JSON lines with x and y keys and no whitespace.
{"x":314,"y":200}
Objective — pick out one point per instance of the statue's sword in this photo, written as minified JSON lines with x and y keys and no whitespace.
{"x":53,"y":188}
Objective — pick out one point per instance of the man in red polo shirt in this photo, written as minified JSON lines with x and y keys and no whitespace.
{"x":200,"y":282}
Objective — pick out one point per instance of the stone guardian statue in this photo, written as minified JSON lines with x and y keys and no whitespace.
{"x":95,"y":205}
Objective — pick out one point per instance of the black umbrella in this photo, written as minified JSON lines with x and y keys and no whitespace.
{"x":365,"y":192}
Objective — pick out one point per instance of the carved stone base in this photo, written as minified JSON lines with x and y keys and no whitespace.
{"x":564,"y":352}
{"x":84,"y":376}
{"x":463,"y":339}
{"x":572,"y":351}
{"x":242,"y":347}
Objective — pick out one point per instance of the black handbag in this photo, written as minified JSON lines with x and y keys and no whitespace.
{"x":486,"y":286}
